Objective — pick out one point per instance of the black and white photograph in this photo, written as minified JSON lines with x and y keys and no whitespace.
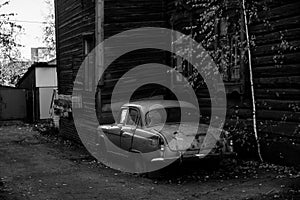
{"x":148,"y":100}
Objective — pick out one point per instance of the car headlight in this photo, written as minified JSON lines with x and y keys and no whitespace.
{"x":157,"y":141}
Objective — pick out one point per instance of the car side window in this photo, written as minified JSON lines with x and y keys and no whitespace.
{"x":123,"y":116}
{"x":133,"y":118}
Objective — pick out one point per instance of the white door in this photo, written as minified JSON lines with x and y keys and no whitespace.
{"x":45,"y":102}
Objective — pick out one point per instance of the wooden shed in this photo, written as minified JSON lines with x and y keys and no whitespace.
{"x":81,"y":24}
{"x":39,"y":81}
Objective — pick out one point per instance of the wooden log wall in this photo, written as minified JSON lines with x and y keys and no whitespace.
{"x":276,"y":73}
{"x":120,"y":16}
{"x":238,"y":119}
{"x":277,"y":79}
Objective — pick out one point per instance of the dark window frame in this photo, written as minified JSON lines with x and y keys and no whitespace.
{"x":234,"y":75}
{"x":88,"y":44}
{"x":137,"y":122}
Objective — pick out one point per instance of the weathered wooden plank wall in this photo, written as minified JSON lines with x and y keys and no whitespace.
{"x":74,"y":19}
{"x":120,"y":16}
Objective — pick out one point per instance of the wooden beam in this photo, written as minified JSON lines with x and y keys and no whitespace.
{"x":99,"y":38}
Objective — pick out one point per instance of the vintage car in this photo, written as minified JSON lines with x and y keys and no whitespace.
{"x":155,"y":133}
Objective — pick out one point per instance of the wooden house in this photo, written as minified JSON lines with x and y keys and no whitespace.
{"x":81,"y":24}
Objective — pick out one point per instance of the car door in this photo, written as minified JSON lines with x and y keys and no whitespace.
{"x":113,"y":133}
{"x":128,"y":130}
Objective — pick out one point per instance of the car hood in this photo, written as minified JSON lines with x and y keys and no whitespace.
{"x":189,"y":129}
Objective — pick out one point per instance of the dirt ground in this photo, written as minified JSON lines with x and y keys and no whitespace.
{"x":35,"y":166}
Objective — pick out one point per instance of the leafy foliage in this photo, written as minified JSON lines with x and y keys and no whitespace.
{"x":215,"y":25}
{"x":49,"y":29}
{"x":10,"y":68}
{"x":12,"y":71}
{"x":8,"y":32}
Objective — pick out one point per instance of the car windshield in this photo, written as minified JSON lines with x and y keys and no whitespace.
{"x":171,"y":115}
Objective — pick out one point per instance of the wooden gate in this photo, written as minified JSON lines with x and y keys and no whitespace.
{"x":12,"y":103}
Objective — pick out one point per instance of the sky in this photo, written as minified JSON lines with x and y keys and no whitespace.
{"x":29,"y":12}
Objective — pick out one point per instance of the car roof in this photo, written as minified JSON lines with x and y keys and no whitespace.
{"x":145,"y":106}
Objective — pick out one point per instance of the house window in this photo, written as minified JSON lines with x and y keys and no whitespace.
{"x":183,"y":49}
{"x":229,"y":42}
{"x":89,"y":63}
{"x":235,"y":59}
{"x":226,"y":43}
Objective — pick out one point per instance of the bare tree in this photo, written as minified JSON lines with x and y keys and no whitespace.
{"x":251,"y":80}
